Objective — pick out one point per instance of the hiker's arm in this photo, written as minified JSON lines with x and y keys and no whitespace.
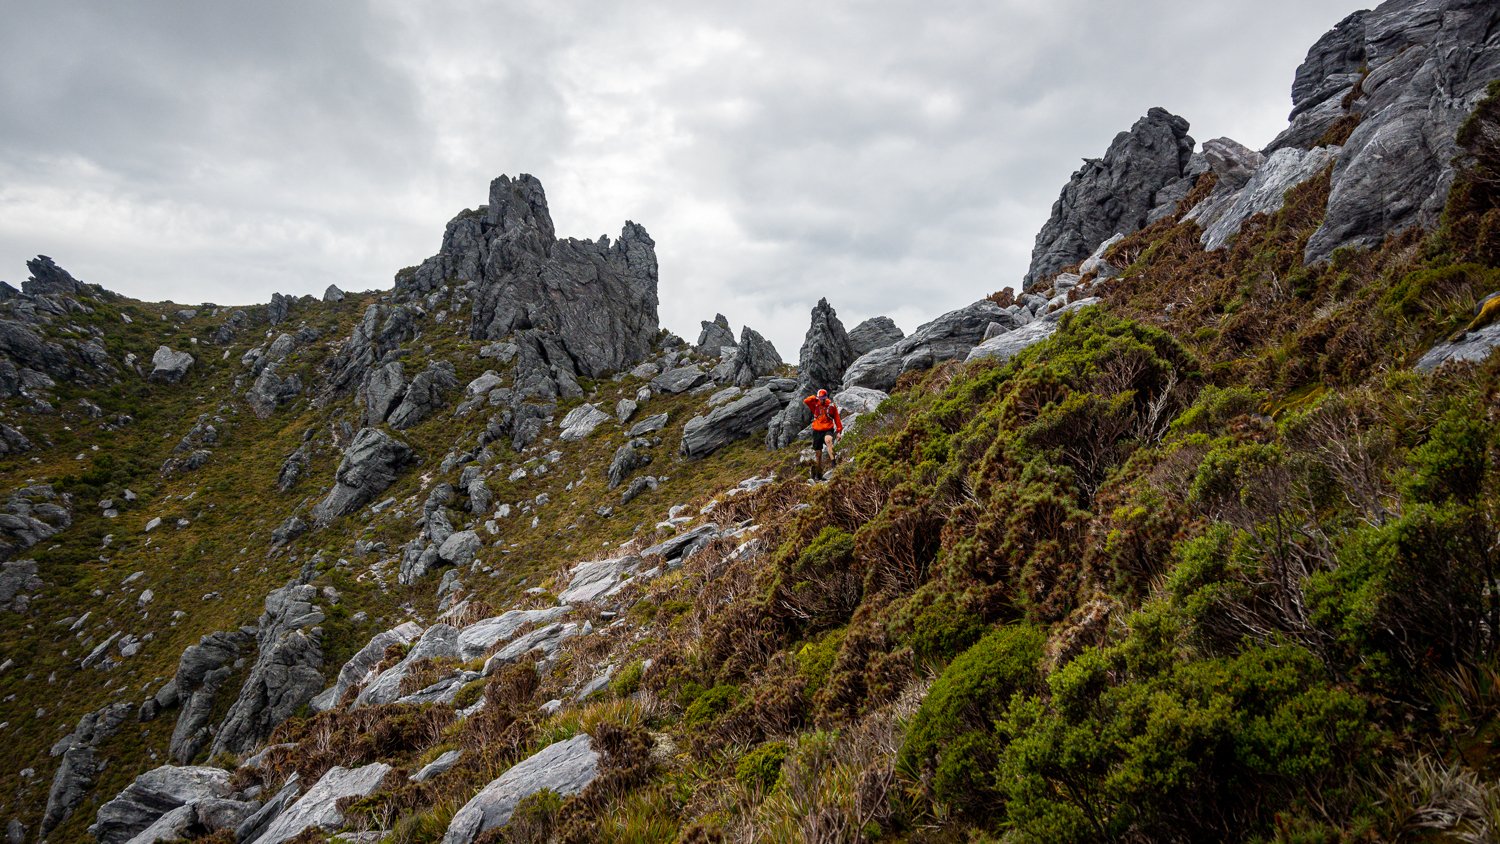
{"x":838,"y":421}
{"x":809,"y":401}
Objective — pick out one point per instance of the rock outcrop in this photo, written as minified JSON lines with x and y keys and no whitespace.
{"x":287,"y":672}
{"x":948,"y":337}
{"x":202,"y":671}
{"x":715,"y":336}
{"x":169,"y":366}
{"x":1222,"y":214}
{"x":826,"y":353}
{"x":754,"y":357}
{"x":360,"y":667}
{"x":370,"y":465}
{"x":428,"y":392}
{"x":1011,"y":343}
{"x":1429,"y":63}
{"x":80,"y":763}
{"x":874,"y":333}
{"x":319,"y":809}
{"x":703,"y":435}
{"x":154,"y":794}
{"x":1112,"y":194}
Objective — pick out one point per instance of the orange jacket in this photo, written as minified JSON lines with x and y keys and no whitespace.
{"x":825,"y":414}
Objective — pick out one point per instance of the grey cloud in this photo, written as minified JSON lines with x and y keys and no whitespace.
{"x":895,"y":156}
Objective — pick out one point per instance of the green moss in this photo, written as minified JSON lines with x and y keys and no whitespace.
{"x":628,"y":680}
{"x":760,"y":770}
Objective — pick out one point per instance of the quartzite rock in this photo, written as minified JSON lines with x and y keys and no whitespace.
{"x":628,"y":458}
{"x":428,"y":391}
{"x":715,"y":336}
{"x":153,"y":794}
{"x":1429,"y":63}
{"x":580,"y":422}
{"x":1222,"y":216}
{"x":319,"y":807}
{"x":753,"y":358}
{"x":360,"y":666}
{"x":202,"y":671}
{"x":1011,"y":343}
{"x":703,"y":435}
{"x":948,"y":337}
{"x":1112,"y":194}
{"x":287,"y":672}
{"x":873,"y":333}
{"x":169,"y":366}
{"x":370,"y":465}
{"x":80,"y":761}
{"x":381,"y":391}
{"x":566,"y":768}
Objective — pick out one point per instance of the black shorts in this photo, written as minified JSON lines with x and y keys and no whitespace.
{"x":817,"y":438}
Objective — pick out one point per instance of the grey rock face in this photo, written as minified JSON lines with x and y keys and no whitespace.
{"x":360,"y":666}
{"x":459,"y":549}
{"x":333,"y":294}
{"x":18,"y":582}
{"x":683,"y":545}
{"x":566,"y":767}
{"x":370,"y":465}
{"x":428,"y":392}
{"x":80,"y":761}
{"x":438,"y":641}
{"x":826,"y":353}
{"x":597,"y":579}
{"x":252,"y":827}
{"x":319,"y":807}
{"x":477,"y":639}
{"x":270,"y":391}
{"x":637,"y":488}
{"x":703,"y":435}
{"x":287,"y":672}
{"x":543,"y":641}
{"x":715,"y":336}
{"x":12,"y":441}
{"x":202,"y":671}
{"x":381,"y":391}
{"x":1222,"y":215}
{"x":1112,"y":194}
{"x":598,"y":299}
{"x":1473,"y":347}
{"x":1333,"y":65}
{"x":279,"y":309}
{"x":30,"y":515}
{"x":753,"y":358}
{"x":948,"y":337}
{"x":873,"y":333}
{"x":168,"y":366}
{"x":854,"y":402}
{"x":153,"y":794}
{"x":441,"y":765}
{"x":1429,"y":64}
{"x":380,"y":331}
{"x":628,"y":458}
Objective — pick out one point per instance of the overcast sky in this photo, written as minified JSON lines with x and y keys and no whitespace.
{"x":895,"y":156}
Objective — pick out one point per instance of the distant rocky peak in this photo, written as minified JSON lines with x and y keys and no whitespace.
{"x":48,"y":279}
{"x":1333,"y":64}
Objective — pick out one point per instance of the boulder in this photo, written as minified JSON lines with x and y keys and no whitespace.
{"x":48,"y":279}
{"x":580,"y":422}
{"x":319,"y":807}
{"x":18,"y":582}
{"x":440,"y":765}
{"x":854,"y":402}
{"x":459,"y":549}
{"x":649,"y":425}
{"x":287,"y":672}
{"x":948,"y":337}
{"x":279,"y":309}
{"x":715,"y":336}
{"x":544,"y":641}
{"x":428,"y":392}
{"x":360,"y":666}
{"x":826,"y":353}
{"x":1096,"y":262}
{"x":624,"y":409}
{"x":628,"y":458}
{"x":566,"y":768}
{"x":599,"y":579}
{"x":440,"y":641}
{"x":153,"y":794}
{"x":1112,"y":194}
{"x":80,"y":763}
{"x":873,"y":333}
{"x":196,"y":820}
{"x":271,"y":391}
{"x":370,"y":465}
{"x":754,"y":357}
{"x":703,"y":435}
{"x":1472,"y":346}
{"x":169,"y":366}
{"x":683,"y":545}
{"x":333,"y":294}
{"x":380,"y":392}
{"x":680,"y":379}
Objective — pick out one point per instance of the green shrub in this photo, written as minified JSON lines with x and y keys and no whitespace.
{"x":628,"y":680}
{"x":1453,"y":461}
{"x":815,"y":660}
{"x":710,"y":705}
{"x":937,"y":625}
{"x":949,"y":740}
{"x":760,"y":769}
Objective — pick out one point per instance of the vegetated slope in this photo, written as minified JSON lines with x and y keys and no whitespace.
{"x":1212,"y":562}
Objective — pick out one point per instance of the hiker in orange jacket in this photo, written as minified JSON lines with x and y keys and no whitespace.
{"x":827,"y":424}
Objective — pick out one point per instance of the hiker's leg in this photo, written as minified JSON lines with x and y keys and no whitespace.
{"x":833,"y":459}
